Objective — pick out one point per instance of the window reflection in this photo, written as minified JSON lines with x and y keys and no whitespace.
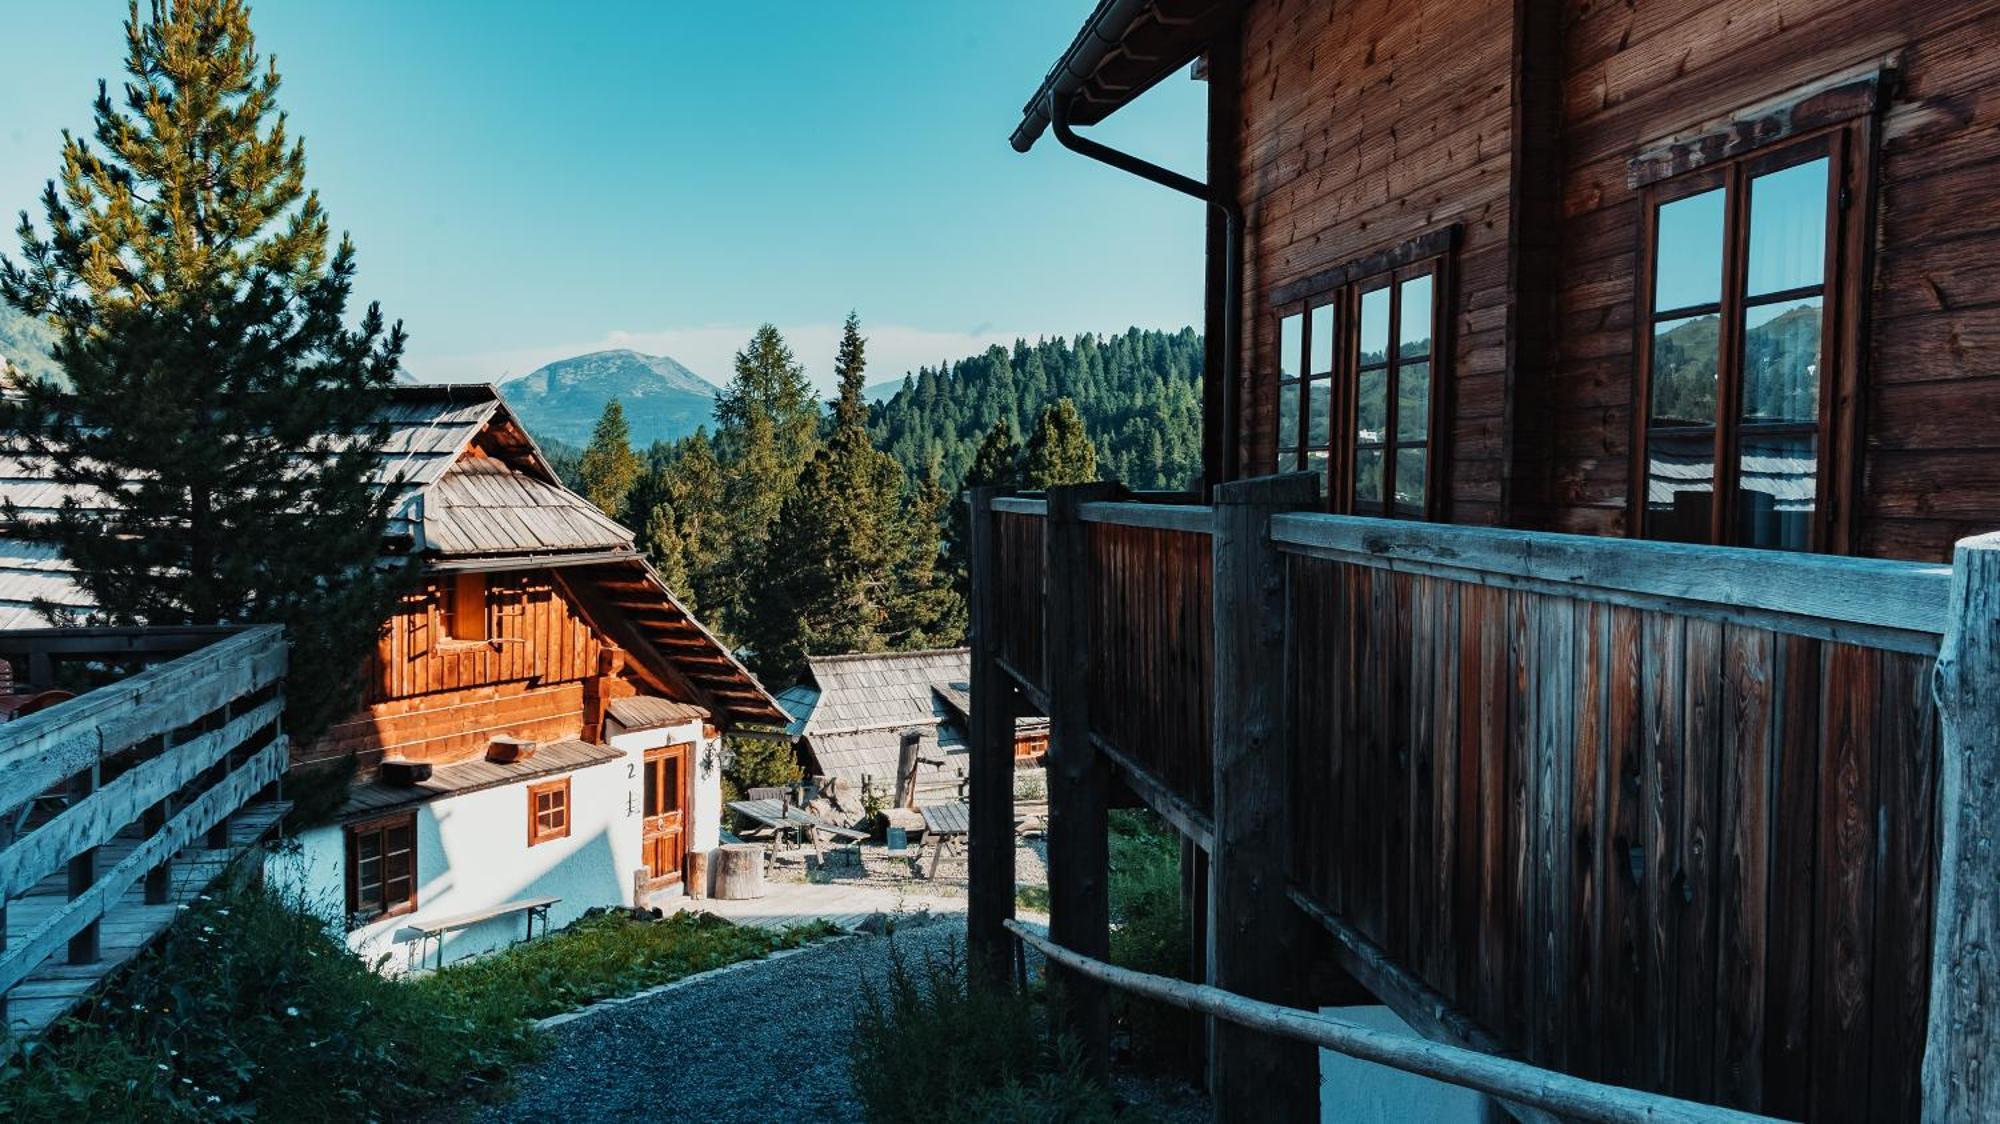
{"x":1375,"y":327}
{"x":1688,"y":258}
{"x":1788,"y":228}
{"x":1415,"y":319}
{"x":1684,"y":370}
{"x":1781,"y":361}
{"x":1322,"y":341}
{"x":1777,"y":483}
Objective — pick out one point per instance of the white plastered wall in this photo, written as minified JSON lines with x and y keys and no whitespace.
{"x":705,"y":780}
{"x":473,"y":854}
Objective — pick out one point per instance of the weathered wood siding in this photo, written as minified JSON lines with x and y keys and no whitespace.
{"x":1661,"y":850}
{"x":1152,"y":651}
{"x":1634,"y":74}
{"x":433,"y":698}
{"x":1364,"y":125}
{"x":1022,"y":565}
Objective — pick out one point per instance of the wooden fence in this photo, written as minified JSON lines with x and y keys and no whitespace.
{"x":100,"y":794}
{"x":1657,"y":815}
{"x":1664,"y":817}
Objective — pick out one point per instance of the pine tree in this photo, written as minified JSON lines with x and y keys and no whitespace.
{"x":767,"y":431}
{"x":213,"y":400}
{"x":827,"y":582}
{"x":998,"y":462}
{"x":930,"y":610}
{"x":1059,"y":451}
{"x":609,"y":467}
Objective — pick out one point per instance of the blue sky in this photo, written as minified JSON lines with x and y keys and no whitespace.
{"x":530,"y":180}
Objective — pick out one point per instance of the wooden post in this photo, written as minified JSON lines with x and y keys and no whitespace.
{"x":1079,"y":782}
{"x":906,"y":769}
{"x":1257,"y":938}
{"x":1961,"y":1076}
{"x":83,"y":948}
{"x":990,"y":842}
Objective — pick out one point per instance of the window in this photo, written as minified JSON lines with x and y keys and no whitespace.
{"x":663,"y":782}
{"x":548,"y":811}
{"x":382,"y":868}
{"x":462,"y":605}
{"x":1357,"y":372}
{"x":1741,"y":369}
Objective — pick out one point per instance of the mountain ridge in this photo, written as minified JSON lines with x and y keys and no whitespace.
{"x":663,"y":400}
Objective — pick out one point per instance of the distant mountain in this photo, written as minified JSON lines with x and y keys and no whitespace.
{"x":24,"y":342}
{"x":884,"y":390}
{"x":663,"y":400}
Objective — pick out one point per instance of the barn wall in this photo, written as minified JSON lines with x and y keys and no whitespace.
{"x":1635,"y":74}
{"x":1364,"y":125}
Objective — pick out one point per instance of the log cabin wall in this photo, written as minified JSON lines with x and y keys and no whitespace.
{"x":1635,"y":74}
{"x":433,"y":698}
{"x":1365,"y":125}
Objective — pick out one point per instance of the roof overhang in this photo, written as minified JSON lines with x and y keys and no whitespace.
{"x":1123,"y":50}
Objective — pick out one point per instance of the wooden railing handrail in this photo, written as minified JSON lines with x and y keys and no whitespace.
{"x":1899,"y":606}
{"x":1510,"y":1080}
{"x":1021,"y":505}
{"x":1193,"y":518}
{"x":43,"y":748}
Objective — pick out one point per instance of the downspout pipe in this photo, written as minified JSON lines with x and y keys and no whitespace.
{"x":1232,"y":270}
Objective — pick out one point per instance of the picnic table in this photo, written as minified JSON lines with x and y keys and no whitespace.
{"x":436,"y":927}
{"x":784,"y":817}
{"x":944,"y":825}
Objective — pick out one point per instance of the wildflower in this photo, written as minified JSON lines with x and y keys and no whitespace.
{"x":292,"y":1011}
{"x":222,"y":912}
{"x":208,"y":928}
{"x":213,"y":1099}
{"x":162,"y":1066}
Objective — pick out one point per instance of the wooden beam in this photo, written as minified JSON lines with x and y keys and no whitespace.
{"x":1257,"y":937}
{"x":1961,"y":1074}
{"x":1193,"y":518}
{"x":1190,"y":821}
{"x":1514,"y":1081}
{"x":1079,"y":840}
{"x":990,"y":839}
{"x":1877,"y":600}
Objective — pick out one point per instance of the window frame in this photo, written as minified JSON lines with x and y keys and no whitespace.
{"x":458,"y":590}
{"x":1343,"y":290}
{"x":1848,"y":145}
{"x":537,"y":833}
{"x":361,"y":912}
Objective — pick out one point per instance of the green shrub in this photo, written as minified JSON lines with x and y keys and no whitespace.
{"x":1149,"y":933}
{"x":606,"y":955}
{"x":929,"y":1048}
{"x":250,"y":1006}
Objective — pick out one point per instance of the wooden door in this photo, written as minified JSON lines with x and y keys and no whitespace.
{"x":664,"y":837}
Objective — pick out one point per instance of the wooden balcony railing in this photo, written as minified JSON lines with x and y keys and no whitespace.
{"x":1664,"y":817}
{"x":117,"y":801}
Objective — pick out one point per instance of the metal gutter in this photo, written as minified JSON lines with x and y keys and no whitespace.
{"x":1103,"y":31}
{"x":1232,"y":269}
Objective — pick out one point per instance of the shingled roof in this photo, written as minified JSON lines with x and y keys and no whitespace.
{"x":473,"y":491}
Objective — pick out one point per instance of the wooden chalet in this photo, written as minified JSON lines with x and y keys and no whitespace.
{"x":1562,"y":644}
{"x":851,"y":712}
{"x":541,"y":719}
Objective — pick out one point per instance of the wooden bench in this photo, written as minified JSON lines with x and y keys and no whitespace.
{"x":437,"y":927}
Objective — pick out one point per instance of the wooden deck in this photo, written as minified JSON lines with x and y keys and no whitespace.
{"x":57,"y":986}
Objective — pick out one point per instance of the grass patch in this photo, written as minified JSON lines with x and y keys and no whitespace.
{"x":1032,"y":897}
{"x":251,"y":1007}
{"x":600,"y":957}
{"x":928,"y":1049}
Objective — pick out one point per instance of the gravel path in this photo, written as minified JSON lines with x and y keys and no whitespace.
{"x":760,"y":1044}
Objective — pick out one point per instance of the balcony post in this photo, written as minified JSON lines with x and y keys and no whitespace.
{"x":1257,"y":939}
{"x":990,"y":845}
{"x":1961,"y":1074}
{"x":1079,"y":780}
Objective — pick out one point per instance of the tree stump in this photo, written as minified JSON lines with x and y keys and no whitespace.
{"x":739,"y":871}
{"x":697,"y":874}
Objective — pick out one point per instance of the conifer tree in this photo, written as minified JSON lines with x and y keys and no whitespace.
{"x":214,"y":402}
{"x":609,"y":467}
{"x":930,"y":610}
{"x":827,"y":583}
{"x":1059,"y":451}
{"x":767,"y":431}
{"x":997,"y":464}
